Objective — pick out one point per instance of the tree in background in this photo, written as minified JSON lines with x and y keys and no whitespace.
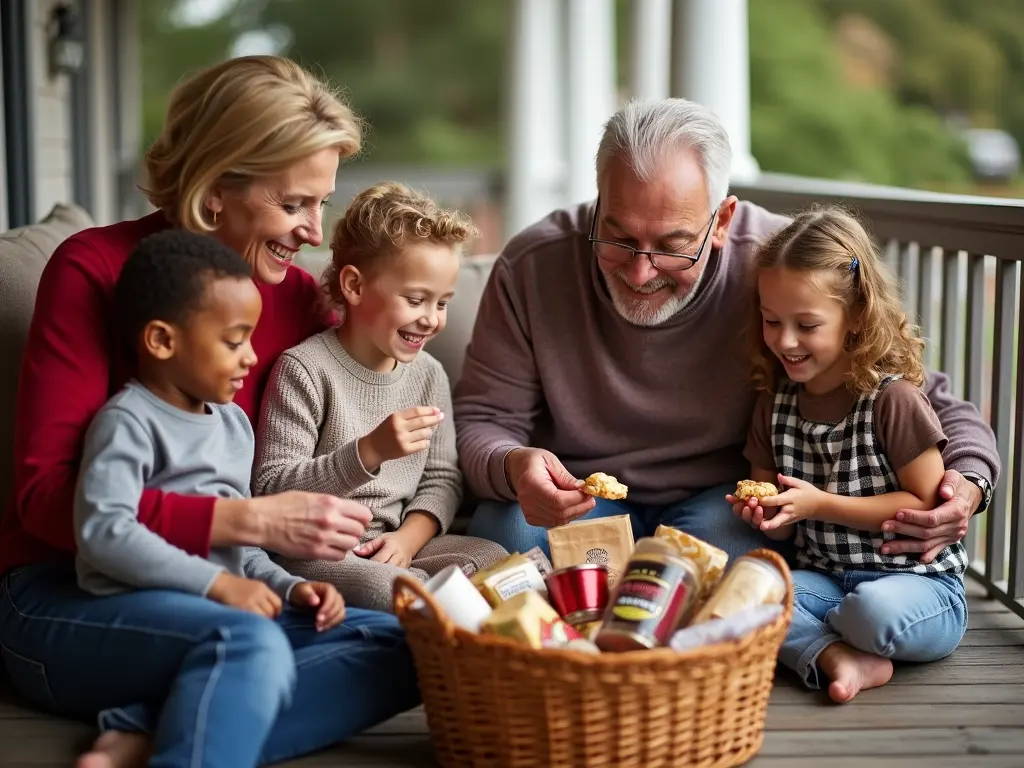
{"x":810,"y":116}
{"x":851,"y":89}
{"x":428,"y":77}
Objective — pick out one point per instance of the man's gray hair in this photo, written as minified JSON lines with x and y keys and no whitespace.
{"x":643,"y":132}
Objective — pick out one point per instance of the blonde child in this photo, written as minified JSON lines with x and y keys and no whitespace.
{"x":845,"y":430}
{"x":361,"y":411}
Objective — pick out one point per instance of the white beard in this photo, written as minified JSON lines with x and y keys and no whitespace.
{"x":644,"y":313}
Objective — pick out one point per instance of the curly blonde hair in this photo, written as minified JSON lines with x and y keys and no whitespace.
{"x":236,"y":121}
{"x":379,"y":222}
{"x":827,"y":241}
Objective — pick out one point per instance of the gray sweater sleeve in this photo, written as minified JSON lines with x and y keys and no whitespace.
{"x":118,"y":456}
{"x":257,"y":565}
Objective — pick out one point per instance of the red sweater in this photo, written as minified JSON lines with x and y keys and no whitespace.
{"x":71,"y":365}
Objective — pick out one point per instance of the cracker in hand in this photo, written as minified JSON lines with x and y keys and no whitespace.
{"x":604,"y":486}
{"x":752,"y":489}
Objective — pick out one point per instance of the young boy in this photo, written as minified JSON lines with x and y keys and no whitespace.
{"x":187,"y":307}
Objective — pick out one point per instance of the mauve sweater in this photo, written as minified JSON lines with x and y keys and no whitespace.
{"x":665,"y":409}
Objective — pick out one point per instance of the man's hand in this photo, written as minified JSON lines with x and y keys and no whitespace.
{"x":322,"y":598}
{"x":403,"y":433}
{"x":245,"y":594}
{"x":389,"y":547}
{"x":933,"y":531}
{"x":800,"y":501}
{"x":548,"y":494}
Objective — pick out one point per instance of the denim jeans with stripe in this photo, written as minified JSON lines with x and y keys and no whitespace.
{"x":213,"y":685}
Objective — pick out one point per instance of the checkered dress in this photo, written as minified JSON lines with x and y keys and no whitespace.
{"x":845,"y":459}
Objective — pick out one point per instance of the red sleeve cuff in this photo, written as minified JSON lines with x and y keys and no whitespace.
{"x":184,"y":521}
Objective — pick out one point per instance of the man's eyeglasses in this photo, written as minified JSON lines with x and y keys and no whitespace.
{"x":666,"y":261}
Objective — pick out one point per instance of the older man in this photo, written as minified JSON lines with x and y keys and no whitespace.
{"x":609,"y":338}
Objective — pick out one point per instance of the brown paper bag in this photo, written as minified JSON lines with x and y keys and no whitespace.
{"x":605,"y":541}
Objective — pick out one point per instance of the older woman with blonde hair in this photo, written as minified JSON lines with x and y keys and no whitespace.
{"x":248,"y":155}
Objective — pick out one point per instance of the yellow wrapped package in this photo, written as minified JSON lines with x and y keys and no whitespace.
{"x":711,"y":560}
{"x":510,"y":576}
{"x":528,"y":618}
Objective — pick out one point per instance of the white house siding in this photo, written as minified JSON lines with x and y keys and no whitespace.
{"x":51,"y":119}
{"x":112,"y":113}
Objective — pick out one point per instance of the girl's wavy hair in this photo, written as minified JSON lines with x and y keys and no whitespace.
{"x":834,"y":245}
{"x":379,"y":222}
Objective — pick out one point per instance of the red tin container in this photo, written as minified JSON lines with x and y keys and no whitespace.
{"x":580,"y":592}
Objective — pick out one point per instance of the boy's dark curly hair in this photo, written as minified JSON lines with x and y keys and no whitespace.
{"x":165,"y":279}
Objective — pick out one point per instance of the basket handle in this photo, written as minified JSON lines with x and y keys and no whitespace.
{"x":402,"y":601}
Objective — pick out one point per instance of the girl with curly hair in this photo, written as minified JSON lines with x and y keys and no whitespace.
{"x":843,"y":426}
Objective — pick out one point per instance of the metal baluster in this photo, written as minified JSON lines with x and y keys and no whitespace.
{"x":908,"y":273}
{"x":925,"y":303}
{"x":1015,"y":580}
{"x":974,"y":360}
{"x":891,"y":255}
{"x":953,"y":287}
{"x":1002,"y":403}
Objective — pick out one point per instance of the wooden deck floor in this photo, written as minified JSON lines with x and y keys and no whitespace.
{"x":966,"y":711}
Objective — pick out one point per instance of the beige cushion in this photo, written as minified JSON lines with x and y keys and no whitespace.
{"x":450,"y":347}
{"x":23,"y":254}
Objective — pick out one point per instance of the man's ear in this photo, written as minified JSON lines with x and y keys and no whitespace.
{"x":352,"y":283}
{"x":720,"y":234}
{"x":159,"y":339}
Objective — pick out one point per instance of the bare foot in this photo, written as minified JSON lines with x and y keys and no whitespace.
{"x":116,"y":749}
{"x":852,"y":671}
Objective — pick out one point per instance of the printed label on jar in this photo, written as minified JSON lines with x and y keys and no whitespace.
{"x":652,"y":597}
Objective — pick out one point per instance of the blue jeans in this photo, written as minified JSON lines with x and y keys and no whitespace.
{"x":900,"y":616}
{"x":708,"y":516}
{"x":215,"y":686}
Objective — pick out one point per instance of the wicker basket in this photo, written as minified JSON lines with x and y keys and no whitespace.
{"x":491,"y":701}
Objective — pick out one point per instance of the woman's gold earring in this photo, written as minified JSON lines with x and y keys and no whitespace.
{"x":215,"y":218}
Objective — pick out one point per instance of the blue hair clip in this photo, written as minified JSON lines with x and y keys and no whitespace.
{"x":854,"y":264}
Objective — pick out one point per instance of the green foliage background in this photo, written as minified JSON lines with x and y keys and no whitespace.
{"x":430,"y":77}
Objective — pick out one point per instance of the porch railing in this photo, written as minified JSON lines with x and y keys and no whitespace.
{"x":959,"y":259}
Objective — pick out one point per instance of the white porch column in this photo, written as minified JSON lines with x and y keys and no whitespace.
{"x":712,"y":67}
{"x":590,"y":89}
{"x":535,"y":159}
{"x":649,"y":54}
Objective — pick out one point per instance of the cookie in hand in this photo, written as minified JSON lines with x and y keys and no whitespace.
{"x":604,"y":486}
{"x":747,"y":489}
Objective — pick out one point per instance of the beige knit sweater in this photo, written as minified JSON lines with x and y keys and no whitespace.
{"x":319,"y":402}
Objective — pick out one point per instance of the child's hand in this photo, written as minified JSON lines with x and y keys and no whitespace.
{"x":800,"y":501}
{"x":321,"y":597}
{"x":246,"y":594}
{"x":750,"y":511}
{"x":400,"y":434}
{"x":387,"y":548}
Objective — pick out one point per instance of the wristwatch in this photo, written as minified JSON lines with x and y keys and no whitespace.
{"x":984,"y":486}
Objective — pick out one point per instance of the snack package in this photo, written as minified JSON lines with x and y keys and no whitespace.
{"x":750,"y":582}
{"x":528,"y":618}
{"x":509,"y":577}
{"x":538,"y":558}
{"x":711,"y":560}
{"x":734,"y":627}
{"x":605,"y":541}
